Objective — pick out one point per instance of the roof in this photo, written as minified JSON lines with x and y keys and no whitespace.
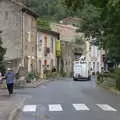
{"x":56,"y":34}
{"x":71,"y":20}
{"x":25,"y":8}
{"x":67,"y":26}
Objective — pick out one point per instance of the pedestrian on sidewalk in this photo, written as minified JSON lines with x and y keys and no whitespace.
{"x":10,"y":76}
{"x":1,"y":79}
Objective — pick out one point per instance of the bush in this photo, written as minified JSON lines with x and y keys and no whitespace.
{"x":17,"y":76}
{"x":111,"y":79}
{"x":37,"y":76}
{"x":55,"y":75}
{"x":30,"y":77}
{"x":100,"y":78}
{"x":117,"y":77}
{"x":51,"y":75}
{"x":63,"y":74}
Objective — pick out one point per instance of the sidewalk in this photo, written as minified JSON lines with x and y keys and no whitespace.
{"x":10,"y":105}
{"x":36,"y":83}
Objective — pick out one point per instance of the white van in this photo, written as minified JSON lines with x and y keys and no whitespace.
{"x":81,"y":71}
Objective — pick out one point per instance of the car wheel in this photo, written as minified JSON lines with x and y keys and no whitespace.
{"x":74,"y":79}
{"x":89,"y":78}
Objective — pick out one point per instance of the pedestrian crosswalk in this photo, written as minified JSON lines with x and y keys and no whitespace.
{"x":29,"y":108}
{"x":55,"y":107}
{"x":80,"y":107}
{"x":106,"y":107}
{"x":75,"y":107}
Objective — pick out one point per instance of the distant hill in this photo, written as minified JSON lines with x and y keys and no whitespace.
{"x":51,"y":8}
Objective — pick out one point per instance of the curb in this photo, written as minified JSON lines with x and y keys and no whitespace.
{"x":44,"y":82}
{"x":35,"y":86}
{"x":16,"y":111}
{"x":112,"y":90}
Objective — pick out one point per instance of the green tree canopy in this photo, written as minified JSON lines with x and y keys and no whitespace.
{"x":2,"y":53}
{"x":52,"y":8}
{"x":100,"y":15}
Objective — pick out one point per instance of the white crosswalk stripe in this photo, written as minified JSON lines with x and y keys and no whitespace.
{"x":106,"y":107}
{"x":80,"y":107}
{"x":29,"y":108}
{"x":77,"y":107}
{"x":55,"y":107}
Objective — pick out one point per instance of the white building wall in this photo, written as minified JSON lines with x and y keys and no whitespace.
{"x":41,"y":55}
{"x":94,"y":56}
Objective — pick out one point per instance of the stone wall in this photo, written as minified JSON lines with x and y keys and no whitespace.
{"x":10,"y":25}
{"x":67,"y":57}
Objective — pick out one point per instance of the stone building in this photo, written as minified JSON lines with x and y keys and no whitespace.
{"x":67,"y":57}
{"x":67,"y":29}
{"x":46,"y":50}
{"x":67,"y":32}
{"x":19,"y":34}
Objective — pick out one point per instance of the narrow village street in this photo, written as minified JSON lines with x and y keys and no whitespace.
{"x":70,"y":100}
{"x":59,"y":59}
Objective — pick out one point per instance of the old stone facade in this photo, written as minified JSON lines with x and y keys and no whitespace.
{"x":46,"y":51}
{"x":68,"y":35}
{"x":30,"y":42}
{"x":67,"y":57}
{"x":67,"y":32}
{"x":18,"y":24}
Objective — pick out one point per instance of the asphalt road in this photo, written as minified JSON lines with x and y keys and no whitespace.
{"x":70,"y":100}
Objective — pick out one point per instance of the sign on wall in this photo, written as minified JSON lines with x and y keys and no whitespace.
{"x":58,"y":48}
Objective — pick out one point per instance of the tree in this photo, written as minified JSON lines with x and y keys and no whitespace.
{"x":79,"y":44}
{"x":91,"y":24}
{"x":50,"y":8}
{"x":105,"y":18}
{"x":2,"y":53}
{"x":44,"y":23}
{"x":79,"y":41}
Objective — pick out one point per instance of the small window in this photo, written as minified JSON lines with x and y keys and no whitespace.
{"x":6,"y":15}
{"x":40,"y":49}
{"x":32,"y":49}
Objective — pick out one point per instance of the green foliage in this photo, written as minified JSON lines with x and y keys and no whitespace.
{"x":2,"y":53}
{"x":63,"y":74}
{"x":79,"y":41}
{"x":55,"y":75}
{"x":111,"y":79}
{"x":52,"y":74}
{"x":52,"y":8}
{"x":44,"y":23}
{"x":100,"y":15}
{"x":30,"y":77}
{"x":91,"y":20}
{"x":117,"y":77}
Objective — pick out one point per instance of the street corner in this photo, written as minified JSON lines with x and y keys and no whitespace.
{"x":17,"y":107}
{"x":36,"y":84}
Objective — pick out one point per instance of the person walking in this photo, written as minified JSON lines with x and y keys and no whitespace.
{"x":10,"y":76}
{"x":1,"y":78}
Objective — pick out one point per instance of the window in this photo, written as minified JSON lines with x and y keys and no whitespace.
{"x":26,"y":47}
{"x":28,"y":36}
{"x":6,"y":15}
{"x":52,"y":45}
{"x":40,"y":45}
{"x":40,"y":49}
{"x":32,"y":49}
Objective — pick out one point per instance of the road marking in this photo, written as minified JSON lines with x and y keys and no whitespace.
{"x":55,"y":107}
{"x":106,"y":107}
{"x":29,"y":108}
{"x":80,"y":107}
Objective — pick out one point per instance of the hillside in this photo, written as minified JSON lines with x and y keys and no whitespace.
{"x":52,"y":9}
